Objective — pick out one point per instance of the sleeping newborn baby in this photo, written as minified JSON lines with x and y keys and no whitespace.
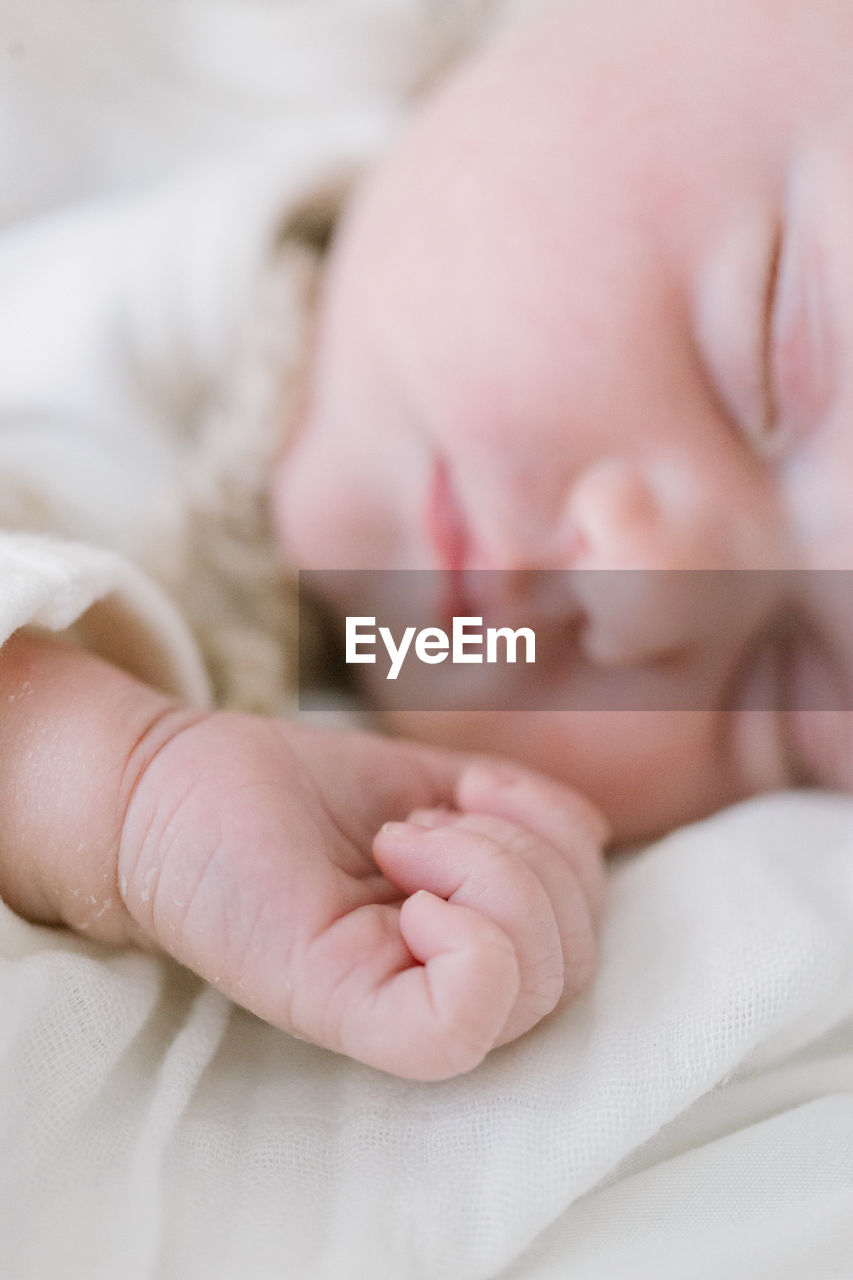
{"x":591,"y":310}
{"x":601,"y":285}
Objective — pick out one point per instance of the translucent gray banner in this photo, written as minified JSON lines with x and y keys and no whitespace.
{"x":591,"y":640}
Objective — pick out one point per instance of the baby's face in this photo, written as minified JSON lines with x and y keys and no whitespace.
{"x":595,"y":311}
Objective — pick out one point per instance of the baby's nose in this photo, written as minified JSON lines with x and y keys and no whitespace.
{"x":639,"y":533}
{"x":624,"y":515}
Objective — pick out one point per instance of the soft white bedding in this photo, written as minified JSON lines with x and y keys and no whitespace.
{"x":692,"y":1116}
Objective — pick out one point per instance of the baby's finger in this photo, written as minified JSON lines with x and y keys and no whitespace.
{"x":563,"y":817}
{"x":567,"y":896}
{"x":489,"y":864}
{"x":362,"y":994}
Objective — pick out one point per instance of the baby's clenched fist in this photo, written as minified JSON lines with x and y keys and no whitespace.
{"x":405,"y":906}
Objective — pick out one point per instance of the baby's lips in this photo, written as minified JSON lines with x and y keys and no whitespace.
{"x":492,"y":776}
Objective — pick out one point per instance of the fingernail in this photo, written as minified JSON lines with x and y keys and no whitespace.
{"x":438,"y":817}
{"x":410,"y":829}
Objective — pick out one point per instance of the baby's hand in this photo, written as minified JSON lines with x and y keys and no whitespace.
{"x":255,"y":852}
{"x":410,"y":907}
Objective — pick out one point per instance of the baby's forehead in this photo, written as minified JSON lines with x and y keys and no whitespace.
{"x":582,"y":167}
{"x":546,"y":57}
{"x":593,"y":106}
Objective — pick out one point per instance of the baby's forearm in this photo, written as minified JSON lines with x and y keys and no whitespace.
{"x":75,"y":735}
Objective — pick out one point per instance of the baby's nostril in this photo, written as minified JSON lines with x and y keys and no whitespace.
{"x":640,"y":616}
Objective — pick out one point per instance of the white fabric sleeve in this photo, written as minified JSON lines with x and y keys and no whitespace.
{"x":103,"y":601}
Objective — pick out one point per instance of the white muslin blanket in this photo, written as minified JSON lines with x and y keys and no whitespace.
{"x":690,"y":1117}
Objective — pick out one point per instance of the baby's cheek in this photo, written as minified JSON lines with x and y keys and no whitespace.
{"x":295,"y":518}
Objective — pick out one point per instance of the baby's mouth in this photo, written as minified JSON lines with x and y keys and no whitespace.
{"x":449,"y":538}
{"x":499,"y":595}
{"x":446,"y":525}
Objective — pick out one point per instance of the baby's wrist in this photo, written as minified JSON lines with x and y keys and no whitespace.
{"x":74,"y":736}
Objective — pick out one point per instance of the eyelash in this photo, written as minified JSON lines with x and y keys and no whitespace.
{"x":770,"y":407}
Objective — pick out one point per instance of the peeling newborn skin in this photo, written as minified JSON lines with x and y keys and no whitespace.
{"x":598,"y":300}
{"x":410,"y":907}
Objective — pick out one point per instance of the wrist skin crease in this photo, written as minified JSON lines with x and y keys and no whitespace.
{"x":76,"y":736}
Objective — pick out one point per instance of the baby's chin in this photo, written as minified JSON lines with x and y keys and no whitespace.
{"x":649,"y":772}
{"x":825,"y":740}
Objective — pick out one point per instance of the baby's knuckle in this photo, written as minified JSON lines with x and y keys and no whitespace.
{"x":515,"y":845}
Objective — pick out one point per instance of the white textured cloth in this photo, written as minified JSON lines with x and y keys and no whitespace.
{"x":102,"y":601}
{"x":691,"y":1117}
